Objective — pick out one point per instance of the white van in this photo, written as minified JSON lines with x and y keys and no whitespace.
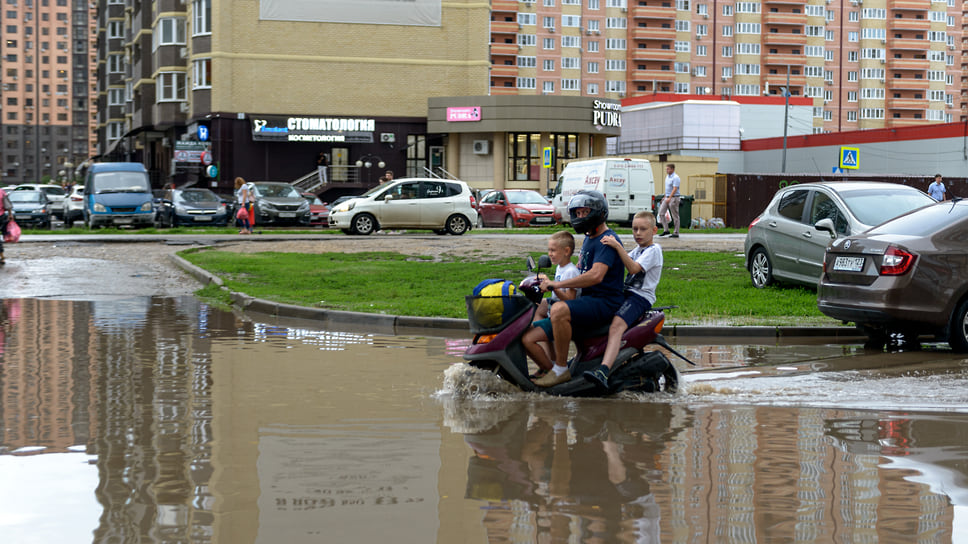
{"x":626,"y":183}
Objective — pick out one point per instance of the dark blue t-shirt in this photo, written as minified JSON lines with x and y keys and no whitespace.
{"x":594,"y":251}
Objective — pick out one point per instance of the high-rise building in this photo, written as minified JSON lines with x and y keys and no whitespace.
{"x":865,"y":63}
{"x":46,"y":65}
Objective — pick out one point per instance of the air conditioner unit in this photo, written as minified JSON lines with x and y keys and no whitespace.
{"x":183,"y":52}
{"x":883,"y":61}
{"x":705,"y":15}
{"x":882,"y":80}
{"x":588,"y":32}
{"x":883,"y":40}
{"x":482,"y":147}
{"x":551,"y":30}
{"x":698,"y":36}
{"x":183,"y":107}
{"x":724,"y":78}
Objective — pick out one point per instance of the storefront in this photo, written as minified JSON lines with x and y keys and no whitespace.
{"x":519,"y":141}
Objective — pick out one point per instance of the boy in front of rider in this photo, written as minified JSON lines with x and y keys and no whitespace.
{"x":561,"y":246}
{"x":644,"y":265}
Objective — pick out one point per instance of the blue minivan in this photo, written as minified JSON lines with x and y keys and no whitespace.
{"x":118,"y":193}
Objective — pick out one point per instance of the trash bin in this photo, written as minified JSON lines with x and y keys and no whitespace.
{"x":685,"y":209}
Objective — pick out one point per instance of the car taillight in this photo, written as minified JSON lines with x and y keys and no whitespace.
{"x":896,"y":261}
{"x":755,"y":221}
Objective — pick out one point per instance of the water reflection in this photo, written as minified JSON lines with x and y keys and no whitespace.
{"x":162,"y":419}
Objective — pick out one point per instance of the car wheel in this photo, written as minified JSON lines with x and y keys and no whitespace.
{"x":508,"y":222}
{"x":958,"y":329}
{"x":458,"y":224}
{"x":761,"y":269}
{"x":364,"y":224}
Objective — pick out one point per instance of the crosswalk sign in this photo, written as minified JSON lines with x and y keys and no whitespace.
{"x":850,"y":158}
{"x":547,"y":157}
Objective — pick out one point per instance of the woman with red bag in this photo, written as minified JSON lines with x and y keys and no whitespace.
{"x":6,"y":217}
{"x":243,"y":197}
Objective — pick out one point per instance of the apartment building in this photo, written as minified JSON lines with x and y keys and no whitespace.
{"x":865,"y":63}
{"x":46,"y":62}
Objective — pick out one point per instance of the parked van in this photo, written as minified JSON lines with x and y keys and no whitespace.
{"x":118,"y":193}
{"x":626,"y":183}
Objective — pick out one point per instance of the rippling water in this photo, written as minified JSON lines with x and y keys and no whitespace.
{"x":166,"y":420}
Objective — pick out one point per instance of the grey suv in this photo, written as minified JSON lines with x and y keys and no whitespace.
{"x":279,"y":203}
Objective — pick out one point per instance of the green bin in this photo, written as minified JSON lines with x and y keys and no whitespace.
{"x":685,"y":211}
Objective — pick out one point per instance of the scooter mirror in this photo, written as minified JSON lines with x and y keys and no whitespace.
{"x":544,"y":261}
{"x":531,"y":264}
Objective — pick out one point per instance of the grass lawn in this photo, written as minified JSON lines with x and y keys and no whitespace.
{"x":709,"y":288}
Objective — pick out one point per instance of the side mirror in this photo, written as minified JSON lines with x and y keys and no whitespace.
{"x":544,"y":261}
{"x":388,"y":198}
{"x":826,"y":225}
{"x":531,"y":264}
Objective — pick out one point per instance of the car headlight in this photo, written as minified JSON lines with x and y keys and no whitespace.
{"x":304,"y":206}
{"x":180,"y":210}
{"x":98,"y":207}
{"x":521,"y":211}
{"x":40,"y":210}
{"x":146,"y":207}
{"x":266,"y":206}
{"x":221,"y":209}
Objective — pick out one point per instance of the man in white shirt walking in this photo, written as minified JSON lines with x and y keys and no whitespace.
{"x":670,"y":201}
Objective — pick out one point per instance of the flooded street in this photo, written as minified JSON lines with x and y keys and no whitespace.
{"x":154,"y":419}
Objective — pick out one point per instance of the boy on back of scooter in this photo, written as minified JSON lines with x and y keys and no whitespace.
{"x":644,"y":265}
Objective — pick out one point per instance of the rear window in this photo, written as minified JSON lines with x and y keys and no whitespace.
{"x":925,"y":221}
{"x":56,"y":191}
{"x":874,"y":206}
{"x":791,"y":204}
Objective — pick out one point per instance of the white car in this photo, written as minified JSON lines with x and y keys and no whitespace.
{"x":441,"y":205}
{"x":74,"y":206}
{"x":55,"y":194}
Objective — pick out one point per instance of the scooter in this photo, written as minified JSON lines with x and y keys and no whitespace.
{"x":498,"y":348}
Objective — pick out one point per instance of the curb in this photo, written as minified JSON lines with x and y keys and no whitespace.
{"x":397,"y":322}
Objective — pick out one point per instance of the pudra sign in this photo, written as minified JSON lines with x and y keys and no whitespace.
{"x":606,"y":114}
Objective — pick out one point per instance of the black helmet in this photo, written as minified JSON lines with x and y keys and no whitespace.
{"x":598,"y":210}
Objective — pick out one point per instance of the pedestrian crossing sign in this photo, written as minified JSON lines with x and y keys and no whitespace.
{"x":547,"y":157}
{"x":850,"y":158}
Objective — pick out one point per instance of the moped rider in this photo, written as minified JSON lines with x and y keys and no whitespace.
{"x":601,"y":282}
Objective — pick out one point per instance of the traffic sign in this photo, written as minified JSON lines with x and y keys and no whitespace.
{"x":202,"y":133}
{"x":212,"y":171}
{"x":850,"y":158}
{"x":547,"y":157}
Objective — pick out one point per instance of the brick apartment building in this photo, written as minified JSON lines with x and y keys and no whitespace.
{"x":371,"y":83}
{"x":47,"y":58}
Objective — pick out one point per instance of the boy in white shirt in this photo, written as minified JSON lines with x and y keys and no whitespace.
{"x":561,"y":246}
{"x":644,"y":265}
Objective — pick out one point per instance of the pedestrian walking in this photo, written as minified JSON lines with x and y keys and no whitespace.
{"x":322,"y":163}
{"x":670,"y":202}
{"x":6,"y":215}
{"x":243,"y":197}
{"x":936,"y":190}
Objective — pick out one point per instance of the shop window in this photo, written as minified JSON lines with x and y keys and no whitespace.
{"x":524,"y":157}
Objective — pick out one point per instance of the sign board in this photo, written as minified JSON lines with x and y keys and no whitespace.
{"x":547,"y":157}
{"x":190,"y":151}
{"x":850,"y":158}
{"x":212,"y":171}
{"x":456,"y":114}
{"x":202,"y":133}
{"x":313,"y":129}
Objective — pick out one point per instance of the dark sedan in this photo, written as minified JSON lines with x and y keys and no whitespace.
{"x":902,"y":279}
{"x":191,"y":207}
{"x":31,"y":208}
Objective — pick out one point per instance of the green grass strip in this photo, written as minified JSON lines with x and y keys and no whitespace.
{"x":709,"y":288}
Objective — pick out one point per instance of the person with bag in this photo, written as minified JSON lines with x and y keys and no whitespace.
{"x":242,"y":197}
{"x":8,"y":227}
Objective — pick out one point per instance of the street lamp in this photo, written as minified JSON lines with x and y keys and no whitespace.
{"x":367,"y":161}
{"x":786,"y":115}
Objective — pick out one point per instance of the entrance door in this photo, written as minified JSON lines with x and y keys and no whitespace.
{"x":339,"y":159}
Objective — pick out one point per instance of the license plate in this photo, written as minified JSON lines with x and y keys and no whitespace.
{"x":543,"y":219}
{"x":849,"y":264}
{"x":287,"y":214}
{"x":123,"y":220}
{"x":203,"y":218}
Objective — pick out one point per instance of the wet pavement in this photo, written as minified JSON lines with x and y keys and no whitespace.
{"x":161,"y":419}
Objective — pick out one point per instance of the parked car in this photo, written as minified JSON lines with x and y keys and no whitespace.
{"x":783,"y":242}
{"x":514,"y":208}
{"x":55,"y":194}
{"x":907,"y":276}
{"x":318,"y":210}
{"x":279,"y":203}
{"x":194,"y":206}
{"x":74,"y":206}
{"x":443,"y":206}
{"x":31,"y":208}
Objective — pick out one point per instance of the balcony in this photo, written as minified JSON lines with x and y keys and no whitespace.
{"x":780,"y":80}
{"x":907,"y":83}
{"x":909,"y":122}
{"x":800,"y":3}
{"x":653,"y":75}
{"x":908,"y":5}
{"x":907,"y":44}
{"x":783,"y":59}
{"x":504,"y":6}
{"x":504,"y":49}
{"x":654,"y":12}
{"x":908,"y":64}
{"x":504,"y":70}
{"x":908,"y":23}
{"x":504,"y":27}
{"x":918,"y":104}
{"x":653,"y":53}
{"x":784,"y":38}
{"x":781,"y":18}
{"x":654,"y":33}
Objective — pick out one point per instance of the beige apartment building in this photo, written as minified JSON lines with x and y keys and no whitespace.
{"x":203,"y":91}
{"x":46,"y":100}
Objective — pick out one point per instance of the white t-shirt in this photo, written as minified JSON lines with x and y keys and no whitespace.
{"x":672,"y":180}
{"x":563,"y":273}
{"x":644,"y":283}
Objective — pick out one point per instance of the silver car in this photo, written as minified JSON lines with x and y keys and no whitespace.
{"x":787,"y":241}
{"x":278,"y":203}
{"x":442,"y":205}
{"x":55,"y":195}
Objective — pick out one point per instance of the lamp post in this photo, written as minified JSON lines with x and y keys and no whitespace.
{"x":786,"y":115}
{"x":367,"y":162}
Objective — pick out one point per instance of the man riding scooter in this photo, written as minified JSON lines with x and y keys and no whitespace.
{"x":601,"y":282}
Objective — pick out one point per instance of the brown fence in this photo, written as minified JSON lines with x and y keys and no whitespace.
{"x":747,"y":195}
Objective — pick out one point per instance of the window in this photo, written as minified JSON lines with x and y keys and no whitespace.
{"x":527,"y":19}
{"x":548,"y":87}
{"x":615,"y":86}
{"x":592,"y":68}
{"x":115,"y":97}
{"x":615,"y":65}
{"x":571,"y":41}
{"x":115,"y":29}
{"x":615,"y":44}
{"x":524,"y":157}
{"x":548,"y":22}
{"x":727,"y":30}
{"x":170,"y":31}
{"x":747,"y":28}
{"x":727,"y":51}
{"x":592,"y":89}
{"x":682,"y":26}
{"x":792,"y":204}
{"x":570,"y":21}
{"x":592,"y":46}
{"x":701,"y":51}
{"x":202,"y":74}
{"x":570,"y":84}
{"x":527,"y":39}
{"x":570,"y":63}
{"x":115,"y":64}
{"x":201,"y":17}
{"x":171,"y":86}
{"x":548,"y":65}
{"x":682,"y":46}
{"x":549,"y":43}
{"x":115,"y":131}
{"x":526,"y":83}
{"x":527,"y":62}
{"x":616,"y":22}
{"x":727,"y":10}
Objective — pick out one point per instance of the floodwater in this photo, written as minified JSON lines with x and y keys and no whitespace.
{"x":151,"y":419}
